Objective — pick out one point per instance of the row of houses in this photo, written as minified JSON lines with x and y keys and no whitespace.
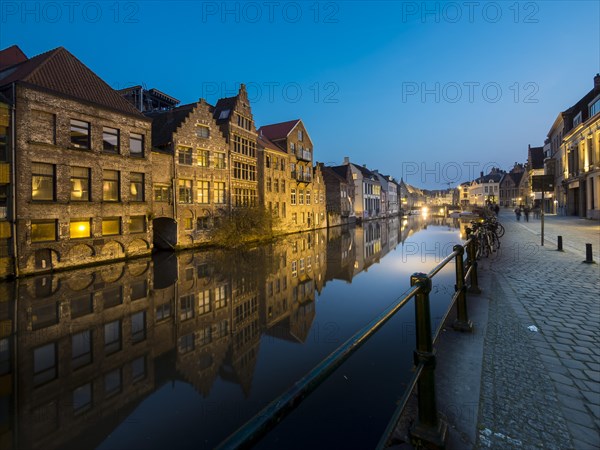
{"x":569,"y":158}
{"x":91,"y":174}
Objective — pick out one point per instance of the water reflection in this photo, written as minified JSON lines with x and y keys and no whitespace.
{"x":193,"y":343}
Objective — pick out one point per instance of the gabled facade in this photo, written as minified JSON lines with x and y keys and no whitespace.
{"x":234,"y":117}
{"x":339,"y":195}
{"x":274,"y":181}
{"x":293,"y":139}
{"x":367,"y":192}
{"x":191,"y":186}
{"x":511,"y":193}
{"x":485,"y":190}
{"x":535,"y":166}
{"x":83,"y":166}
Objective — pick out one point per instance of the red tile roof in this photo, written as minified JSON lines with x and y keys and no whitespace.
{"x":278,"y":130}
{"x":11,"y":56}
{"x":61,"y":72}
{"x":264,"y":142}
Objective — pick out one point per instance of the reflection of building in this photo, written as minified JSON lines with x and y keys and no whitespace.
{"x":84,"y":170}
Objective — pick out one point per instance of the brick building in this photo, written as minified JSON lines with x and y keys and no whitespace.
{"x":340,"y":192}
{"x":192,"y":183}
{"x":274,"y":181}
{"x":82,"y":165}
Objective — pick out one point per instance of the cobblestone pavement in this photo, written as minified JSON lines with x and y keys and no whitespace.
{"x":541,"y":389}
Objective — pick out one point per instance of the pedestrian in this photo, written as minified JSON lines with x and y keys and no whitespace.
{"x":526,"y":211}
{"x":497,"y":209}
{"x":518,"y":213}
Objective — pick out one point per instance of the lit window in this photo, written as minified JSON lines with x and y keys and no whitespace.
{"x":43,"y":230}
{"x":162,"y":193}
{"x":80,"y":134}
{"x":219,"y":192}
{"x":220,"y":161}
{"x":185,"y":191}
{"x":80,"y":184}
{"x":110,"y":185}
{"x":110,"y":140}
{"x":293,"y":196}
{"x":80,"y":228}
{"x":203,"y":191}
{"x":111,"y":226}
{"x":136,"y":187}
{"x":42,"y":181}
{"x":136,"y":144}
{"x":203,"y":158}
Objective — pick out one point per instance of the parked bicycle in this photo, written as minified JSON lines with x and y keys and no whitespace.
{"x":487,"y":233}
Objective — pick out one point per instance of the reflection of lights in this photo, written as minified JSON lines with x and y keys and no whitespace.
{"x":441,"y":210}
{"x":81,"y":227}
{"x":405,"y":222}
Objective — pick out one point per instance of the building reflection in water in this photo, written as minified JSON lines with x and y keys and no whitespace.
{"x":80,"y":350}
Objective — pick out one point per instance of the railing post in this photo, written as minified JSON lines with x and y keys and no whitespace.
{"x":429,"y":431}
{"x":462,"y":322}
{"x":472,"y":255}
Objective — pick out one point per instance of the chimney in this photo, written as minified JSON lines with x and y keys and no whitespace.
{"x":597,"y":81}
{"x":346,"y":160}
{"x":481,"y":173}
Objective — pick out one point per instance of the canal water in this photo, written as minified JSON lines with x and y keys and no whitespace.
{"x":179,"y":350}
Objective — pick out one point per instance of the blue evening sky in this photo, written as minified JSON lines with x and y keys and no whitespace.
{"x":432,"y":91}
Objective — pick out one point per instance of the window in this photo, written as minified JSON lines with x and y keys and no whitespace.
{"x":80,"y":134}
{"x":219,"y":192}
{"x":188,"y":223}
{"x":42,"y":181}
{"x":202,"y":131}
{"x":112,"y":336}
{"x":138,"y":369}
{"x":186,"y":343}
{"x":283,"y":186}
{"x":203,"y":192}
{"x":137,"y":224}
{"x":220,"y":297}
{"x":293,"y":193}
{"x":136,"y":145}
{"x":185,"y":156}
{"x":300,"y":135}
{"x":204,"y":302}
{"x":185,"y":191}
{"x":44,"y":315}
{"x":82,"y":305}
{"x":220,"y":161}
{"x":295,"y":218}
{"x":80,"y":184}
{"x":110,"y":140}
{"x":244,"y":171}
{"x":186,"y":307}
{"x":44,"y":364}
{"x":110,"y":185}
{"x":136,"y":187}
{"x":43,"y":230}
{"x":308,"y":197}
{"x":203,"y":223}
{"x":269,"y":184}
{"x":301,"y":197}
{"x":203,"y":158}
{"x":80,"y":228}
{"x":82,"y":398}
{"x":81,"y":349}
{"x":162,"y":193}
{"x":292,"y":147}
{"x":244,"y":146}
{"x":112,"y":297}
{"x":163,"y":311}
{"x":111,"y":226}
{"x":112,"y":382}
{"x":138,"y":327}
{"x":139,"y":289}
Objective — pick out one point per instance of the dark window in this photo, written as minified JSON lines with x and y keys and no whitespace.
{"x":138,"y":327}
{"x":186,"y":307}
{"x":139,"y":289}
{"x":202,"y":131}
{"x":81,"y":349}
{"x":185,"y":156}
{"x":112,"y":296}
{"x":136,"y":144}
{"x":112,"y":382}
{"x":138,"y":369}
{"x":80,"y":134}
{"x":110,"y":140}
{"x":82,"y":398}
{"x":137,"y":224}
{"x":112,"y":336}
{"x":163,"y":311}
{"x":44,"y":315}
{"x":44,"y":364}
{"x":82,"y":305}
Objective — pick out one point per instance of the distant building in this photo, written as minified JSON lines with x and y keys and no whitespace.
{"x":148,"y":100}
{"x":340,"y":193}
{"x":83,"y":165}
{"x":511,"y":193}
{"x":535,"y":166}
{"x":485,"y":190}
{"x":367,"y":192}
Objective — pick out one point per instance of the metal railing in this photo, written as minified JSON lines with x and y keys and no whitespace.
{"x":429,"y":429}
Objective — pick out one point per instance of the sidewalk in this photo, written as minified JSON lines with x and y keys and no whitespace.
{"x":506,"y":387}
